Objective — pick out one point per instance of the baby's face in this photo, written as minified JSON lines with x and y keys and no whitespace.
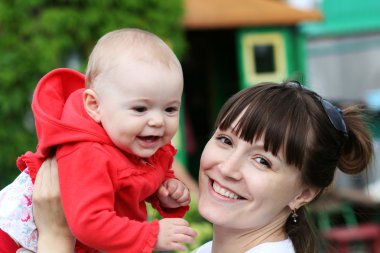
{"x":139,"y":106}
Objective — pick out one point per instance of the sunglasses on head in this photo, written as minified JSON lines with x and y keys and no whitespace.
{"x":335,"y":116}
{"x":334,"y":113}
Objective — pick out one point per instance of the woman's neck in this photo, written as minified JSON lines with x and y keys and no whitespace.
{"x":235,"y":240}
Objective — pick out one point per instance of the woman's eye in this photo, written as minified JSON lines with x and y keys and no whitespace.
{"x":139,"y":109}
{"x":263,"y":161}
{"x":224,"y":140}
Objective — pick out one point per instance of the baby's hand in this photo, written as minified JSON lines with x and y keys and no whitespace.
{"x":173,"y":193}
{"x":173,"y":233}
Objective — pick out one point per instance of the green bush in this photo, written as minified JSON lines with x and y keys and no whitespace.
{"x":37,"y":36}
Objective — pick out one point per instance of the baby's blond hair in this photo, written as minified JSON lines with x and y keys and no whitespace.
{"x":128,"y":44}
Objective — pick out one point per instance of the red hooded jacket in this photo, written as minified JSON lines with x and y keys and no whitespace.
{"x":103,"y":189}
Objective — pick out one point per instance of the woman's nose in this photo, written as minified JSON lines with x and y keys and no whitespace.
{"x":231,"y":166}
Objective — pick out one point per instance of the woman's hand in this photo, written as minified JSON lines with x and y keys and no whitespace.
{"x":53,"y":231}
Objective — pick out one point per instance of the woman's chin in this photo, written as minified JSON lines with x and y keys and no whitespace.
{"x":209,"y":212}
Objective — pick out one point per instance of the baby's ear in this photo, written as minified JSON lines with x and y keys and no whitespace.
{"x":91,"y":104}
{"x":307,"y":194}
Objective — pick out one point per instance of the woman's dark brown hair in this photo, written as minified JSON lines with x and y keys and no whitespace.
{"x":295,"y":121}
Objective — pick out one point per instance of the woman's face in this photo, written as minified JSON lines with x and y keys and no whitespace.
{"x":241,"y":186}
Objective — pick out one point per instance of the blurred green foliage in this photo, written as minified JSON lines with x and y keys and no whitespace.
{"x":37,"y":36}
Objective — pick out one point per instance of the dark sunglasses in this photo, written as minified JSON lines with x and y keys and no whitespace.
{"x":335,"y":116}
{"x":334,"y":113}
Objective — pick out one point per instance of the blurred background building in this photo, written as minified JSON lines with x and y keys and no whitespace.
{"x":330,"y":47}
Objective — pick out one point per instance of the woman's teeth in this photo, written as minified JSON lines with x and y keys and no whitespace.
{"x":224,"y":192}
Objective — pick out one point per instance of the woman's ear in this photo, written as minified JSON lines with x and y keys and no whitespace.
{"x":91,"y":104}
{"x":307,"y":194}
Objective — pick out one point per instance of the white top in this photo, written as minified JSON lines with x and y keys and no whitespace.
{"x":285,"y":246}
{"x":16,"y":215}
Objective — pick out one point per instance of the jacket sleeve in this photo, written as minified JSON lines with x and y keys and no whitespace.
{"x":167,"y":212}
{"x":87,"y":190}
{"x":167,"y":159}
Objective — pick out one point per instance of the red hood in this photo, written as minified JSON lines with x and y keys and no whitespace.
{"x":59,"y":114}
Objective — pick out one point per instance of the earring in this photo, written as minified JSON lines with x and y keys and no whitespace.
{"x":294,"y":216}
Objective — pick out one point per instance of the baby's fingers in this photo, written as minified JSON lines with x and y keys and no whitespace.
{"x":184,"y":199}
{"x":162,"y":191}
{"x":176,"y":246}
{"x":186,"y":235}
{"x":185,"y":238}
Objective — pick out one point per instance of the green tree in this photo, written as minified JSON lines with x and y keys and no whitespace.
{"x":37,"y":36}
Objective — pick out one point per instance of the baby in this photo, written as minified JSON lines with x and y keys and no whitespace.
{"x":111,"y":133}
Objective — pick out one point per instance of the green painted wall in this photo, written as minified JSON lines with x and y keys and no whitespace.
{"x":344,"y":17}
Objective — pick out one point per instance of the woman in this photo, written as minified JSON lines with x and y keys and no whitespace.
{"x":275,"y":149}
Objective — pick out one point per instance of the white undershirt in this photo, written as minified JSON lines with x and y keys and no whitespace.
{"x":285,"y":246}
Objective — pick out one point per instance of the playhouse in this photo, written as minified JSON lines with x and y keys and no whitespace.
{"x":333,"y":48}
{"x":232,"y":45}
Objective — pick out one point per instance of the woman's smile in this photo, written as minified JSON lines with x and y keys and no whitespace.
{"x":222,"y":192}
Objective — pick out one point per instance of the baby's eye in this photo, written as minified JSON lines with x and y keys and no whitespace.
{"x":139,"y":109}
{"x":263,"y":161}
{"x":172,"y":109}
{"x":224,"y":139}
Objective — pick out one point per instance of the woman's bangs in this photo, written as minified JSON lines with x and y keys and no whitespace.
{"x":262,"y":115}
{"x":254,"y":121}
